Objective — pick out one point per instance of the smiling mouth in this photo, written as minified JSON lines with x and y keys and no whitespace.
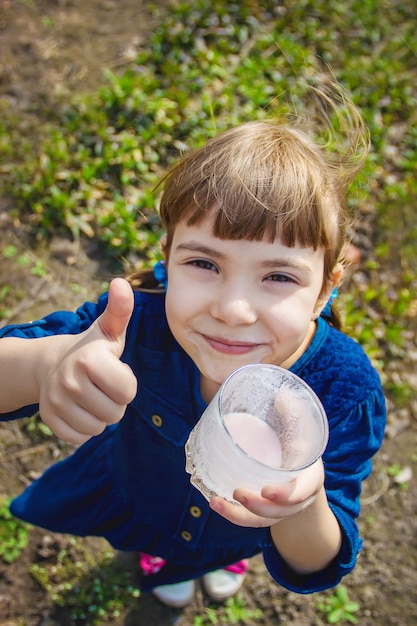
{"x":230,"y":347}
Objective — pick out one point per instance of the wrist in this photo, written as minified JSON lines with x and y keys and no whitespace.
{"x":309,"y":540}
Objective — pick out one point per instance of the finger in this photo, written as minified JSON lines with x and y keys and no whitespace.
{"x":269,"y":508}
{"x":64,"y":431}
{"x":76,"y":424}
{"x":120,"y":386}
{"x":305,"y":485}
{"x":86,"y":423}
{"x":239,"y":515}
{"x":265,"y":507}
{"x":115,"y":318}
{"x":87,"y":409}
{"x":77,"y":399}
{"x":97,"y":373}
{"x":256,"y":512}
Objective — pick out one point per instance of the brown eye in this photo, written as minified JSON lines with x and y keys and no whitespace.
{"x":203,"y":264}
{"x":281,"y":278}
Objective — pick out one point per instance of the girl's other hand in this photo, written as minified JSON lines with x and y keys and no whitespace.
{"x":84,"y":386}
{"x":275,"y":502}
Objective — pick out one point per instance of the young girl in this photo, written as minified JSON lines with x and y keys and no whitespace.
{"x":255,"y":231}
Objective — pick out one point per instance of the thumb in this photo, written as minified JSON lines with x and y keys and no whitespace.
{"x":116,"y":316}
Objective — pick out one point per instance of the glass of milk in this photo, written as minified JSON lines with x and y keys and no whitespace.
{"x":263,"y":426}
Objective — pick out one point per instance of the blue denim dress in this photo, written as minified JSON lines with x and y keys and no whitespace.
{"x":130,"y":486}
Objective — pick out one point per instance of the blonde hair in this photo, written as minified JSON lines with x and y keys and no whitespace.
{"x":274,"y":179}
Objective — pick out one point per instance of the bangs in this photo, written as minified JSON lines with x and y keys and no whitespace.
{"x":253,"y":213}
{"x":269,"y":181}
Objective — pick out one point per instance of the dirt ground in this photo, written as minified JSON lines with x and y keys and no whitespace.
{"x":48,"y":50}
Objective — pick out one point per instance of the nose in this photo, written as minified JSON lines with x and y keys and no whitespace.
{"x":234,"y":307}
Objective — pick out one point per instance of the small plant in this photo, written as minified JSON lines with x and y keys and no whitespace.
{"x":338,"y":608}
{"x":234,"y":611}
{"x":36,"y":427}
{"x":400,"y":475}
{"x":25,"y":260}
{"x":14,"y":534}
{"x":4,"y":310}
{"x":9,"y":252}
{"x":237,"y":611}
{"x":209,"y":617}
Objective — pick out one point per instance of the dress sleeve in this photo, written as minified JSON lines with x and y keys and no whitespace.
{"x":58,"y":323}
{"x":347,"y":462}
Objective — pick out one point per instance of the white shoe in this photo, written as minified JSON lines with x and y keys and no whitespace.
{"x":222,"y":583}
{"x":176,"y":595}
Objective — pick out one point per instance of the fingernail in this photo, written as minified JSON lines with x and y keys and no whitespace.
{"x":216,"y":506}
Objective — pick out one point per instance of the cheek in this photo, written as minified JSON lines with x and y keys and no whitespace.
{"x":185,"y":296}
{"x":171,"y":310}
{"x":180,"y":305}
{"x":289,"y":318}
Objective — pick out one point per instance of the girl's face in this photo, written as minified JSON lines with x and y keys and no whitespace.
{"x":231,"y":303}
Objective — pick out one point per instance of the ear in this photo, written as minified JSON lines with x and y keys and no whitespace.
{"x":334,"y":281}
{"x":163,"y":243}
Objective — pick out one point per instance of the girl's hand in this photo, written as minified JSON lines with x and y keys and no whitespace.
{"x":275,"y":503}
{"x":83,"y":385}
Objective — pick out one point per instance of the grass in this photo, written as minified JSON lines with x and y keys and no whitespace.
{"x":205,"y":68}
{"x":94,"y":589}
{"x":14,"y":534}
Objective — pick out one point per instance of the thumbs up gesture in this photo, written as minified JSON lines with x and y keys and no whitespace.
{"x":83,"y":385}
